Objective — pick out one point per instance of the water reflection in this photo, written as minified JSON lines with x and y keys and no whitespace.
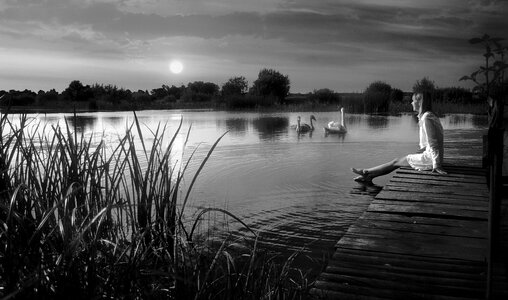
{"x":340,"y":136}
{"x":353,"y":119}
{"x":237,"y":125}
{"x":115,"y":121}
{"x":479,"y":120}
{"x":464,"y":121}
{"x":270,"y":127}
{"x":82,"y":124}
{"x":375,"y":121}
{"x":51,"y":119}
{"x":457,"y":119}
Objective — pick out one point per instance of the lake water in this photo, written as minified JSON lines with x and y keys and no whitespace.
{"x":294,"y":189}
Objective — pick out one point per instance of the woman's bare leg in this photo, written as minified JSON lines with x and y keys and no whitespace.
{"x":383,"y":169}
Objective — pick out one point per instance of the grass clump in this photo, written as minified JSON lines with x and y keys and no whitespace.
{"x":84,"y":220}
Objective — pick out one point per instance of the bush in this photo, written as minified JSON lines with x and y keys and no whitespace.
{"x":325,"y":96}
{"x":18,"y":98}
{"x":453,"y":95}
{"x":424,"y":85}
{"x":248,"y":101}
{"x":352,"y":102}
{"x":23,"y":100}
{"x":78,"y":92}
{"x":45,"y":97}
{"x":396,"y":95}
{"x":235,"y":86}
{"x":141,"y":97}
{"x":200,"y":87}
{"x":239,"y":101}
{"x":272,"y":85}
{"x":190,"y":96}
{"x":376,"y":97}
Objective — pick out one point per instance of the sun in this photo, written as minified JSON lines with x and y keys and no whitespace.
{"x":176,"y":67}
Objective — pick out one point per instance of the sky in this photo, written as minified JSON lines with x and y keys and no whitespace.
{"x":342,"y":45}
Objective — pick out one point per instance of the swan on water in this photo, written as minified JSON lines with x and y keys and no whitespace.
{"x":302,"y":127}
{"x":337,"y":126}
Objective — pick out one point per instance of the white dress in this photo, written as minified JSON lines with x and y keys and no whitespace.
{"x":431,"y":138}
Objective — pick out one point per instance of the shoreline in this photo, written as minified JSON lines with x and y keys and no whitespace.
{"x":278,"y":108}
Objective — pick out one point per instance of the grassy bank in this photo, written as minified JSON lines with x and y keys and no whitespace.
{"x":82,"y":220}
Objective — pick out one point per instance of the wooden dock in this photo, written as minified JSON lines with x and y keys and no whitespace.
{"x":424,"y":236}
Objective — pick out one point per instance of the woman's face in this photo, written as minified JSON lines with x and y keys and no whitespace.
{"x":416,"y":103}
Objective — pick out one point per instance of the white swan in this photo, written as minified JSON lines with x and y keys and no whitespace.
{"x":336,"y":126}
{"x":300,"y":128}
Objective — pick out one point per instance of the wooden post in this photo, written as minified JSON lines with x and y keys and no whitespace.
{"x":485,"y":154}
{"x":495,"y":156}
{"x":496,"y":163}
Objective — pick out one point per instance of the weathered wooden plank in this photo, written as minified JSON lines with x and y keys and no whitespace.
{"x":423,"y":204}
{"x":395,"y":283}
{"x":416,"y":244}
{"x":465,"y":225}
{"x":449,"y":176}
{"x":438,"y":182}
{"x":458,"y":178}
{"x":351,"y":289}
{"x":397,"y":273}
{"x":432,"y":246}
{"x":460,"y":172}
{"x":408,"y":263}
{"x":427,"y":197}
{"x":417,"y":237}
{"x":418,"y":248}
{"x":431,"y":198}
{"x":417,"y":282}
{"x":467,"y":264}
{"x":422,"y":188}
{"x":445,"y":178}
{"x":427,"y":209}
{"x":479,"y":232}
{"x":464,"y":170}
{"x":438,"y":189}
{"x":443,"y":277}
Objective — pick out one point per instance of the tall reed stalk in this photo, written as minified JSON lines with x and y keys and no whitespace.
{"x":83,"y":220}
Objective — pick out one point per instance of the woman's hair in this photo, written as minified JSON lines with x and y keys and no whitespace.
{"x":425,"y":99}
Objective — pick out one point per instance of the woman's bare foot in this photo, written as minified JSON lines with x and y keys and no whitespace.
{"x":358,"y":171}
{"x":364,"y":175}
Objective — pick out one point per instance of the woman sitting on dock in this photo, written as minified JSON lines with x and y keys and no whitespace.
{"x":430,"y":156}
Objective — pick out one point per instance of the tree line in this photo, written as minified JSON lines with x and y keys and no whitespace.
{"x":271,"y":88}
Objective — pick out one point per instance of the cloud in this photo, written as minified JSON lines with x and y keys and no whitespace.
{"x":243,"y":35}
{"x":296,"y":22}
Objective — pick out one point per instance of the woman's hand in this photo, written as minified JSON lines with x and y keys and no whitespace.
{"x":439,"y":170}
